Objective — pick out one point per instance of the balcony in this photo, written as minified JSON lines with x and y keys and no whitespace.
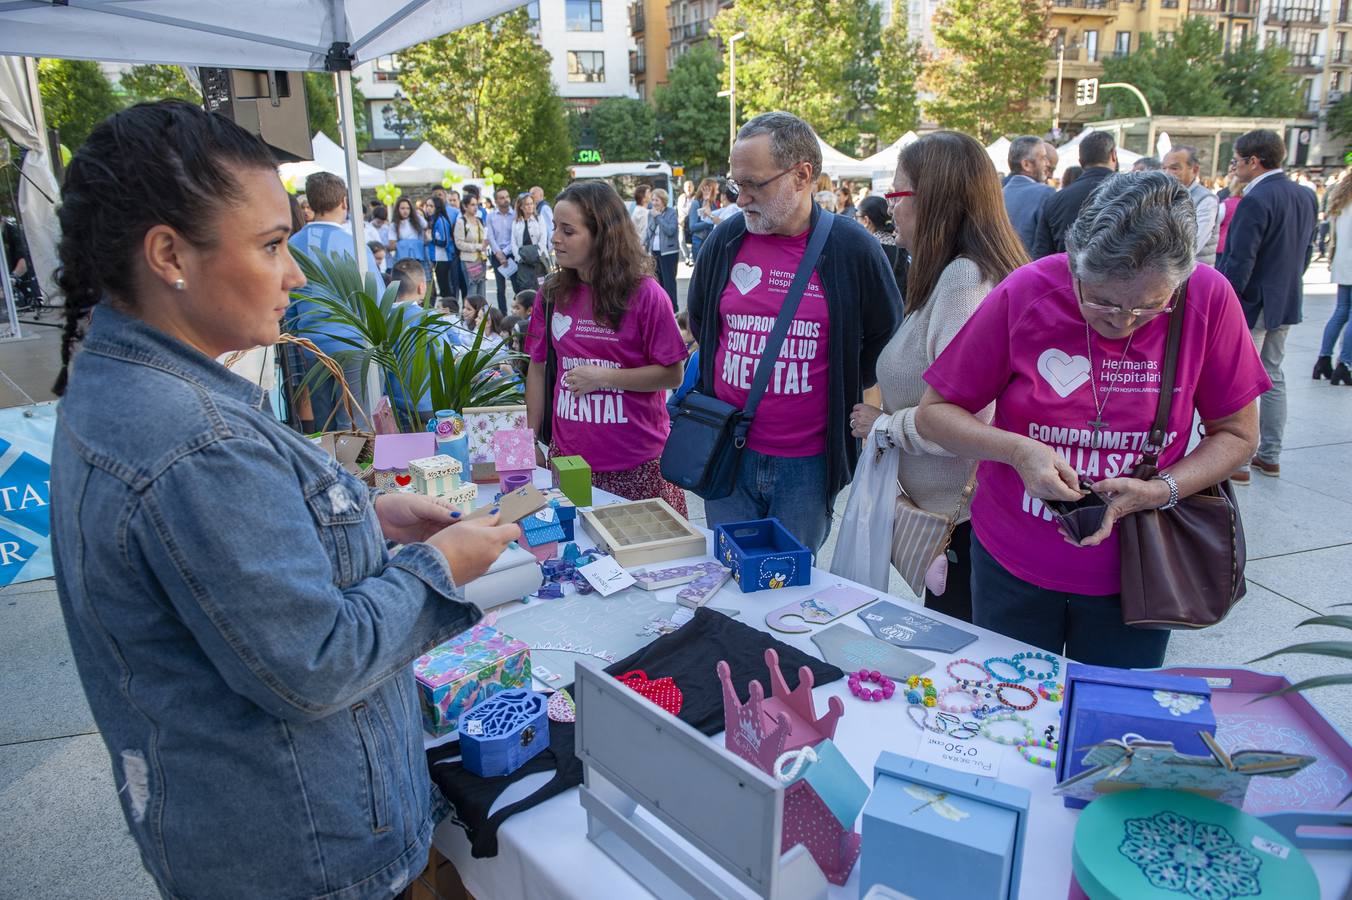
{"x":636,"y":23}
{"x":638,"y":64}
{"x":1085,"y":7}
{"x":1344,"y":15}
{"x":1246,"y":8}
{"x":1207,"y":7}
{"x":1301,"y":17}
{"x":1341,"y":58}
{"x":1306,"y":63}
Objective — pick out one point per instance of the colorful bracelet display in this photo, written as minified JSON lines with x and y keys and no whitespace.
{"x":1021,"y":661}
{"x":921,"y":691}
{"x":886,"y":687}
{"x":1051,"y":691}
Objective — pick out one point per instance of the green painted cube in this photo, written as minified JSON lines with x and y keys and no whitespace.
{"x":572,"y":475}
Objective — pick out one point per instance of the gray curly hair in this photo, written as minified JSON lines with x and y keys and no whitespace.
{"x":1134,"y":223}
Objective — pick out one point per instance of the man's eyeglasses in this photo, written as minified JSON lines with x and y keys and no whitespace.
{"x":894,"y":196}
{"x":1136,"y":315}
{"x":739,"y":187}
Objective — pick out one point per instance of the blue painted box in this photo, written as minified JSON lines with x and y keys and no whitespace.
{"x":1103,"y":703}
{"x":932,"y":832}
{"x":763,"y":555}
{"x":503,"y":733}
{"x":542,"y":527}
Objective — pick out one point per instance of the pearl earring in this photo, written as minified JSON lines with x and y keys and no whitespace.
{"x":180,"y":284}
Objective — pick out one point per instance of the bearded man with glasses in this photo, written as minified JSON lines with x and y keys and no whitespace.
{"x":799,"y":451}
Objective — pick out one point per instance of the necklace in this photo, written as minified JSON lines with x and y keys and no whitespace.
{"x":1097,"y":423}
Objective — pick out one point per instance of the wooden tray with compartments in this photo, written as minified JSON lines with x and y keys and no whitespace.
{"x":644,"y":532}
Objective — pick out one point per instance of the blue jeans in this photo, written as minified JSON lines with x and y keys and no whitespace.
{"x":326,"y":399}
{"x":790,"y":489}
{"x":1341,"y":320}
{"x":1086,"y":629}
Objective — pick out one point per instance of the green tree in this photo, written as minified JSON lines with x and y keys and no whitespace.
{"x":898,"y":68}
{"x":1340,"y":118}
{"x":76,"y":96}
{"x":815,"y":58}
{"x":624,"y":128}
{"x":486,"y":99}
{"x":1255,"y":82}
{"x":989,"y":67}
{"x":142,"y":84}
{"x":1177,"y":76}
{"x":321,"y":105}
{"x":693,"y":116}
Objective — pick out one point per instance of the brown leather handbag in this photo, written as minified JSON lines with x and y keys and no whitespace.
{"x":1181,"y":567}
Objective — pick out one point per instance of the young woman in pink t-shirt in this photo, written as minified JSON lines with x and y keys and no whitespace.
{"x":617,"y":347}
{"x":1071,"y":350}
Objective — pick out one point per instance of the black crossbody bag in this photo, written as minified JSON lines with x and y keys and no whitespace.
{"x":708,"y":435}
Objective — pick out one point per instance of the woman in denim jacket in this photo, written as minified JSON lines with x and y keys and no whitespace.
{"x":241,"y":630}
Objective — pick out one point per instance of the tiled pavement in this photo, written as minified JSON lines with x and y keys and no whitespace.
{"x":61,"y":830}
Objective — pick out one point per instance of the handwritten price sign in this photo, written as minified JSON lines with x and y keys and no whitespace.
{"x":975,"y":757}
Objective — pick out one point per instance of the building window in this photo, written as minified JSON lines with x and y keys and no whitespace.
{"x":1240,"y":34}
{"x":586,"y":66}
{"x":385,"y":69}
{"x":1122,"y":44}
{"x":583,"y":15}
{"x":533,"y":14}
{"x":1091,"y":46}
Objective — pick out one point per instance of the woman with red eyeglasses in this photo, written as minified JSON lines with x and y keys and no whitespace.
{"x":965,"y":247}
{"x":1071,"y":349}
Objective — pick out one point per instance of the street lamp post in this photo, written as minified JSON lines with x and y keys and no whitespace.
{"x":731,"y":92}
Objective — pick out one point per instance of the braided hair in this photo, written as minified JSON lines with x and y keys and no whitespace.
{"x":165,"y":163}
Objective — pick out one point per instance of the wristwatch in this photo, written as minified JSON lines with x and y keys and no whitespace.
{"x":1173,"y":489}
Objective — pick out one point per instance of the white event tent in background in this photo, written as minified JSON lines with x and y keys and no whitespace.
{"x":427,"y":165}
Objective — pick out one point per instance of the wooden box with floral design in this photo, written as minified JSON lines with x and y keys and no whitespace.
{"x":466,"y":670}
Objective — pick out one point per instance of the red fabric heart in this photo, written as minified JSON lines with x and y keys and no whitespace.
{"x":402,"y":480}
{"x":663,"y":691}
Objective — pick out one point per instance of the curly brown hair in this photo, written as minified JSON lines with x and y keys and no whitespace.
{"x":618,"y":261}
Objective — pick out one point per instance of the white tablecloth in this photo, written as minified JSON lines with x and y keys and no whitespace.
{"x":544,"y":852}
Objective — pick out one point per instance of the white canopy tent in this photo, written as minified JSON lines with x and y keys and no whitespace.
{"x":886,"y":158}
{"x":1068,"y":154}
{"x":331,"y":158}
{"x":426,"y":165}
{"x":308,"y":35}
{"x":838,"y":165}
{"x":999,"y":154}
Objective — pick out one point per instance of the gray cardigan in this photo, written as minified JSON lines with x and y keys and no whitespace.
{"x":670,"y":225}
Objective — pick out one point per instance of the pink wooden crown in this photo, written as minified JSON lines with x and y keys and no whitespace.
{"x":763,"y":728}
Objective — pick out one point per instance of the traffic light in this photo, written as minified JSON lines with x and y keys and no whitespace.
{"x":1086,"y":92}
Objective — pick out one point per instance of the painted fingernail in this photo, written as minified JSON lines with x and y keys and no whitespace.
{"x":455,"y":514}
{"x":493,"y":511}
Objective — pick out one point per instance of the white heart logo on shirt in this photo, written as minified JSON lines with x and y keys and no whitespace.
{"x":746,"y":277}
{"x":560,"y":325}
{"x":1064,"y":373}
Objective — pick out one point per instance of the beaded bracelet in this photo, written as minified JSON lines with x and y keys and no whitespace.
{"x":1026,"y":750}
{"x":965,"y":682}
{"x":997,"y":718}
{"x":944,"y":723}
{"x":1019,"y":674}
{"x":1019,"y":658}
{"x":1000,"y":695}
{"x":1050,"y":690}
{"x":957,"y":710}
{"x":886,"y":688}
{"x":920,"y":691}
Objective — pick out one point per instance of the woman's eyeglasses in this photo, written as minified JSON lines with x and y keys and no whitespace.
{"x":894,"y":196}
{"x":1136,"y":315}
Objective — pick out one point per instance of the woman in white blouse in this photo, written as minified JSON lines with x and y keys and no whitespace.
{"x":967,"y":246}
{"x":529,"y":246}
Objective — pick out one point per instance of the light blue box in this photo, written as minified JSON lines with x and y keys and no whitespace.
{"x":934,"y":833}
{"x":836,"y":783}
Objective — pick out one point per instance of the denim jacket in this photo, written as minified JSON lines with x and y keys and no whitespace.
{"x":241,"y":631}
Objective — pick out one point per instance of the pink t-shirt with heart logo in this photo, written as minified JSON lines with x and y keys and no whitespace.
{"x":791,"y":418}
{"x":1026,"y":349}
{"x":612,"y":430}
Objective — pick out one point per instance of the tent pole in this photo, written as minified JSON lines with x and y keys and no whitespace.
{"x":348,"y":124}
{"x":11,"y":307}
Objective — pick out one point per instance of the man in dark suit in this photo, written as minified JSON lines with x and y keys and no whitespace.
{"x":1026,"y":191}
{"x":1098,"y":158}
{"x":1267,"y":251}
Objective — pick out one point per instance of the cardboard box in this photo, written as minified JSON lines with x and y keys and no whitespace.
{"x":435,"y":476}
{"x":466,"y":670}
{"x":573,"y":476}
{"x":762,"y":555}
{"x":1103,"y":703}
{"x":930,"y":832}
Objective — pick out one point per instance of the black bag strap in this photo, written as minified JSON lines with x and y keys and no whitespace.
{"x":770,"y":355}
{"x":525,"y":229}
{"x":551,"y":372}
{"x":1154,"y":444}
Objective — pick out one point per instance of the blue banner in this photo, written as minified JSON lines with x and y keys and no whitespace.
{"x":26,"y":434}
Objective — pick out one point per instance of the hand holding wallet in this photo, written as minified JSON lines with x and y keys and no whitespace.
{"x":1080,"y":518}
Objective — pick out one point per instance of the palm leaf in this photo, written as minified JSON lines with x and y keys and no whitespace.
{"x":1340,"y":649}
{"x":1307,"y":684}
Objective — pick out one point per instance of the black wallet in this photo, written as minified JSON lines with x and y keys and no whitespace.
{"x":1082,"y":517}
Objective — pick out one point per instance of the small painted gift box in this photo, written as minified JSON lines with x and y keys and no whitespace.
{"x":466,"y":670}
{"x":542,"y":527}
{"x":1105,"y":704}
{"x":821,"y":804}
{"x":514,"y":453}
{"x":435,"y":476}
{"x":567,"y":510}
{"x":931,"y":832}
{"x":392,"y":455}
{"x":763,"y":555}
{"x":481,"y":423}
{"x":573,"y":476}
{"x":503,"y":733}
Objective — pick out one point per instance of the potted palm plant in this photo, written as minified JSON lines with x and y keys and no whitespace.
{"x":412,"y":350}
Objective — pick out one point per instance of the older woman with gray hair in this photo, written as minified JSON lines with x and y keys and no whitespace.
{"x":1071,"y":350}
{"x":662,"y":239}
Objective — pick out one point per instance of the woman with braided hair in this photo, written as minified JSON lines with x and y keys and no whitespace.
{"x":241,"y":631}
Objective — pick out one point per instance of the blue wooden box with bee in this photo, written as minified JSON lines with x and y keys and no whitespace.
{"x":919,"y":813}
{"x":503,"y":733}
{"x":762,"y":555}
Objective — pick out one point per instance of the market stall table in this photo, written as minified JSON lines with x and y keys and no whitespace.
{"x":544,"y":852}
